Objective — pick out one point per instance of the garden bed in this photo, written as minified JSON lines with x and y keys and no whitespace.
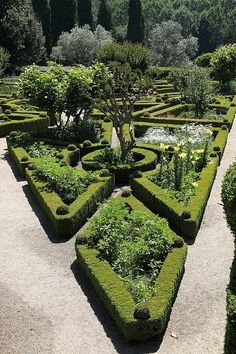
{"x":146,"y":160}
{"x":184,"y":219}
{"x":82,"y":208}
{"x":117,"y":299}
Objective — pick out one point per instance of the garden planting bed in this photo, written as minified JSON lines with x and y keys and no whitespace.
{"x":145,"y":161}
{"x":137,"y":322}
{"x":185,"y":219}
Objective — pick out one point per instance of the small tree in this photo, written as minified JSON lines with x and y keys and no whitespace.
{"x":80,"y":45}
{"x":169,"y":47}
{"x":198,"y":90}
{"x":123,"y":83}
{"x":4,"y":59}
{"x":223,"y":62}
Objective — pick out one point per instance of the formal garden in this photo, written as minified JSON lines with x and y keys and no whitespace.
{"x":119,"y":132}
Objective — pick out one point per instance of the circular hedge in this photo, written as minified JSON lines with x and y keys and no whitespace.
{"x":145,"y":160}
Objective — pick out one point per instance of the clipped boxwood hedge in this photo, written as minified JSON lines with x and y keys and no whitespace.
{"x":147,"y":161}
{"x":29,"y":124}
{"x":78,"y":212}
{"x":115,"y":296}
{"x":160,"y":202}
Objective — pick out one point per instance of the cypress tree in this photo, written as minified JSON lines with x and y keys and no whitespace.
{"x":43,"y":12}
{"x":104,"y":16}
{"x":135,"y":33}
{"x":63,"y":17}
{"x":85,"y":13}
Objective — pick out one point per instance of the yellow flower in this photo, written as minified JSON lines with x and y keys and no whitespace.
{"x":195,"y":184}
{"x":181,"y":143}
{"x":190,"y":139}
{"x":162,"y":147}
{"x":183,"y":155}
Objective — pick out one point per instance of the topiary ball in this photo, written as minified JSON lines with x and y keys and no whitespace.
{"x":24,"y":159}
{"x":107,"y":120}
{"x":178,"y":242}
{"x":87,"y":143}
{"x":146,"y":114}
{"x":31,"y":167}
{"x":104,"y":142}
{"x":62,"y":210}
{"x":216,"y":148}
{"x":225,"y":120}
{"x":170,"y":149}
{"x":224,"y":127}
{"x":104,"y":173}
{"x":7,"y":111}
{"x":233,"y":104}
{"x":183,"y":102}
{"x":71,"y":147}
{"x":213,"y":154}
{"x":126,"y":193}
{"x":158,"y":99}
{"x":186,"y":215}
{"x":137,"y":174}
{"x":141,"y":312}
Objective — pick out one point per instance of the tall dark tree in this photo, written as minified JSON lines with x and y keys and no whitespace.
{"x":43,"y":12}
{"x":135,"y":33}
{"x":22,"y":34}
{"x":104,"y":16}
{"x":85,"y":13}
{"x":64,"y":17}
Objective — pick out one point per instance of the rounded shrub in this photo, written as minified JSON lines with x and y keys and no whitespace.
{"x":126,"y":193}
{"x":105,"y":142}
{"x":178,"y":242}
{"x":158,"y":99}
{"x":24,"y":159}
{"x":228,"y":196}
{"x":31,"y":167}
{"x":42,"y":114}
{"x":146,"y":115}
{"x":183,"y":102}
{"x":71,"y":147}
{"x":141,"y":312}
{"x":170,"y":148}
{"x":233,"y":104}
{"x":225,"y":120}
{"x":7,"y":111}
{"x":87,"y":143}
{"x":137,"y":174}
{"x":224,"y":127}
{"x":107,"y":119}
{"x":186,"y":215}
{"x":213,"y":154}
{"x":216,"y":148}
{"x":62,"y":210}
{"x":104,"y":173}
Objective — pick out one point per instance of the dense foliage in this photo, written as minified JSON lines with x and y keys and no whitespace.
{"x":134,"y":244}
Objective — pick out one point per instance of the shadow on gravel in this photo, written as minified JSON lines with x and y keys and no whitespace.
{"x":111,"y":330}
{"x":45,"y":223}
{"x":14,"y":169}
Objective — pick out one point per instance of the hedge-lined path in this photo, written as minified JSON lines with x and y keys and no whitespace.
{"x":198,"y":317}
{"x":47,"y":305}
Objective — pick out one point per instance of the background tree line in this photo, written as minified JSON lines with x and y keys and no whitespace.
{"x":30,"y":29}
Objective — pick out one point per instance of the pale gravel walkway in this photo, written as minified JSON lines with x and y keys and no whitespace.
{"x":43,"y":296}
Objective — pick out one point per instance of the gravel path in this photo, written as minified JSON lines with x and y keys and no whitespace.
{"x":47,"y":305}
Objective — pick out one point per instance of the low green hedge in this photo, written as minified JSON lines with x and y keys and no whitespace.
{"x":116,"y":298}
{"x":148,"y":161}
{"x":82,"y":208}
{"x":27,"y":124}
{"x":158,"y":200}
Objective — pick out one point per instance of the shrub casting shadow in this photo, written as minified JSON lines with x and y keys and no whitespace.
{"x":109,"y":326}
{"x":5,"y":156}
{"x":43,"y":219}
